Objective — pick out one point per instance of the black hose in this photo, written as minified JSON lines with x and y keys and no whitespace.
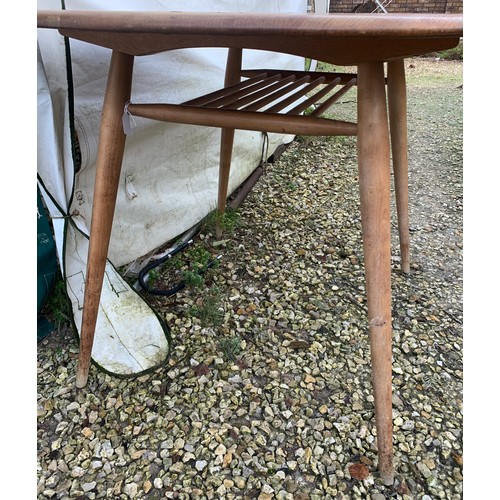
{"x":170,"y":291}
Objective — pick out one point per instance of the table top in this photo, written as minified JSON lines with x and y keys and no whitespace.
{"x":344,"y":39}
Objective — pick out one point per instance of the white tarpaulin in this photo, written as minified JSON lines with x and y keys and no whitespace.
{"x":169,"y":173}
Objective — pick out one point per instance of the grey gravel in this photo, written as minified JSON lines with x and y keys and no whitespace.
{"x":267,"y":392}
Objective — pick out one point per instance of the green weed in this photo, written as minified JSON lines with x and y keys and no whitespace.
{"x":192,"y":279}
{"x":197,"y":259}
{"x":58,"y":306}
{"x":208,"y":311}
{"x":228,"y":221}
{"x":188,"y":266}
{"x":230,"y":347}
{"x":153,"y":276}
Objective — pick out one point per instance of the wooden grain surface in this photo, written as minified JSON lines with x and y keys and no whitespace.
{"x":345,"y":39}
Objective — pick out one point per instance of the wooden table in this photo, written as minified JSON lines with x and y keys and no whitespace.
{"x":363,"y":40}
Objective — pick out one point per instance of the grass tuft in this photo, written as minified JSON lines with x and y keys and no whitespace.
{"x":208,"y":309}
{"x":231,"y":347}
{"x":58,"y":307}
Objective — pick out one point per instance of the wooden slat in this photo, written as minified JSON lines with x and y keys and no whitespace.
{"x":230,"y":96}
{"x":200,"y":101}
{"x":296,"y":96}
{"x":267,"y":86}
{"x":239,"y":103}
{"x":314,"y":99}
{"x":328,"y":77}
{"x":273,"y":96}
{"x":237,"y":106}
{"x":324,"y":106}
{"x":243,"y":120}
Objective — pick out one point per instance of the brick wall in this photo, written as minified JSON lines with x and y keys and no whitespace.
{"x":431,"y":6}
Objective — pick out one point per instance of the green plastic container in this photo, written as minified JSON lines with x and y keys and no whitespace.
{"x":46,"y":266}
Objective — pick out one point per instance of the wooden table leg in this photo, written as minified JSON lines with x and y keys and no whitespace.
{"x":396,"y":91}
{"x":233,"y":76}
{"x":374,"y":182}
{"x":226,"y":153}
{"x":109,"y":161}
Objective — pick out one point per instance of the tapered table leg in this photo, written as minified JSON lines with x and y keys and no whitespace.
{"x":109,"y":160}
{"x":396,"y":91}
{"x":374,"y":183}
{"x":226,"y":152}
{"x":233,"y":72}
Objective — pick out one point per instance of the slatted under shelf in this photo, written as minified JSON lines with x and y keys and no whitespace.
{"x":267,"y":100}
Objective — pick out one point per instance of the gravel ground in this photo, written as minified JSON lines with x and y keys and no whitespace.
{"x":267,"y":392}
